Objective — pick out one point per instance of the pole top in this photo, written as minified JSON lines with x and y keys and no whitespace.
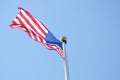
{"x":64,"y":39}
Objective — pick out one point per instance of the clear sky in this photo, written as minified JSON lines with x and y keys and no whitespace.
{"x":91,"y":26}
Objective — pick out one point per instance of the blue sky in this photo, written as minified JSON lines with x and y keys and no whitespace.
{"x":91,"y":26}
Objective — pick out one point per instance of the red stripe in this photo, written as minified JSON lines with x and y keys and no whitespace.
{"x":34,"y":36}
{"x":44,"y":26}
{"x":13,"y":23}
{"x":29,"y":35}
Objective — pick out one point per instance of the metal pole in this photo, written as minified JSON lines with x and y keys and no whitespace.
{"x":66,"y":68}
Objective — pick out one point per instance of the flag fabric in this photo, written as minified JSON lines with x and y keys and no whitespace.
{"x":36,"y":30}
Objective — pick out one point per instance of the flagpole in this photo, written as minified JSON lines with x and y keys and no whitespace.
{"x":66,"y":68}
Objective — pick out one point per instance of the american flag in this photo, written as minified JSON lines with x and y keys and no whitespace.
{"x":36,"y":30}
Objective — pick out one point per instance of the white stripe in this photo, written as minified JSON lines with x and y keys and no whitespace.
{"x":40,"y":32}
{"x":23,"y":29}
{"x":32,"y":36}
{"x":38,"y":39}
{"x":44,"y":41}
{"x":16,"y":20}
{"x":54,"y":47}
{"x":41,"y":25}
{"x":15,"y":26}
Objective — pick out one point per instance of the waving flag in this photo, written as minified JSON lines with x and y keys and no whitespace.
{"x":36,"y":30}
